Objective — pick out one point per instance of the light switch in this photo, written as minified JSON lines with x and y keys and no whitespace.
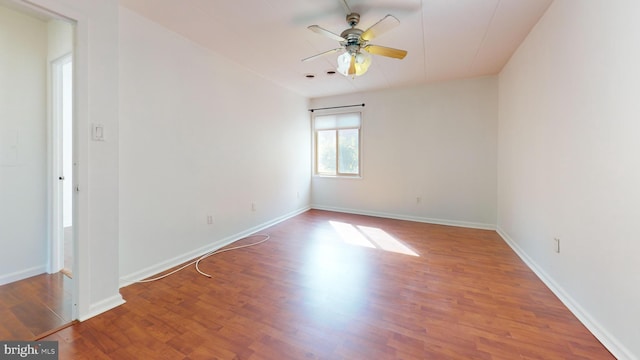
{"x":98,"y":132}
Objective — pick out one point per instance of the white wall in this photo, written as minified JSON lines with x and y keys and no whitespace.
{"x":436,"y":142}
{"x":23,"y":126}
{"x":199,"y":136}
{"x":569,"y":162}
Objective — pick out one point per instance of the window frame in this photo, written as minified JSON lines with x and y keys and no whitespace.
{"x":315,"y":132}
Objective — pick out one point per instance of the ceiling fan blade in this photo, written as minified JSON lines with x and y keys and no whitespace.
{"x":386,"y":51}
{"x":322,"y":31}
{"x":352,"y":65}
{"x":321,"y":54}
{"x":387,"y":23}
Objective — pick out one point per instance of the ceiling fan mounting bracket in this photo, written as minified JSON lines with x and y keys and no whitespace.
{"x":353,"y":19}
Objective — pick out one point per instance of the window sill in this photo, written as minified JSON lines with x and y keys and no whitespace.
{"x":355,"y":177}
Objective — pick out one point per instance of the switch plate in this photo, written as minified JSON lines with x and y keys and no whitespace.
{"x":97,"y":132}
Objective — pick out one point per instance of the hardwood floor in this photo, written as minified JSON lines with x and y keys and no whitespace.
{"x":311,"y":293}
{"x":32,"y":307}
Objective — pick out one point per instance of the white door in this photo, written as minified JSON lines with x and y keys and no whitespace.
{"x":62,"y":164}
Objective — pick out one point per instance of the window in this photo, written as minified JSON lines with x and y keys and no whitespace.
{"x":337,"y":144}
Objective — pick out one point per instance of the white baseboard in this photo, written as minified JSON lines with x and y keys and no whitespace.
{"x":218,"y":244}
{"x":102,"y":306}
{"x":22,"y":274}
{"x":609,"y":341}
{"x":465,"y":224}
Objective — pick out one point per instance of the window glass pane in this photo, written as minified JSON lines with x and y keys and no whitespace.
{"x":326,"y":148}
{"x":348,"y":151}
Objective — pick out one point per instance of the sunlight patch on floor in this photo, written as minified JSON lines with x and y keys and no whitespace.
{"x":370,"y":237}
{"x":351,"y":235}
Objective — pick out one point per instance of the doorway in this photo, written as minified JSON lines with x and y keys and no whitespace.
{"x":36,"y":146}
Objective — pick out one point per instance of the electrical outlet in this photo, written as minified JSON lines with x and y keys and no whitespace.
{"x":418,"y":200}
{"x":209,"y":219}
{"x":253,"y":206}
{"x":557,"y":244}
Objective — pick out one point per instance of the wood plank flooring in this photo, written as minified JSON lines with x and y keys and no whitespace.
{"x":339,"y":286}
{"x":32,"y":307}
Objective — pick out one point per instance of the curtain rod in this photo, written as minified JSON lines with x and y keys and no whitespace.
{"x":336,"y":107}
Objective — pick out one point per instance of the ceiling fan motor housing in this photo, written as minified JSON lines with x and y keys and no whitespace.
{"x":352,"y":42}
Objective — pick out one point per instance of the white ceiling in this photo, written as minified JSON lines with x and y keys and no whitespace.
{"x":445,"y":39}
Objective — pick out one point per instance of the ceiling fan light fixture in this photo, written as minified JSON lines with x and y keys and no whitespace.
{"x":362,"y":63}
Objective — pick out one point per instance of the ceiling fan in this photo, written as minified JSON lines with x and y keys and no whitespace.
{"x":354,"y":42}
